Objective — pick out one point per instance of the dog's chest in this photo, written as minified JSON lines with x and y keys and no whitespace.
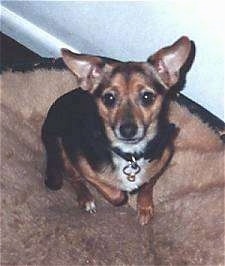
{"x":123,"y":179}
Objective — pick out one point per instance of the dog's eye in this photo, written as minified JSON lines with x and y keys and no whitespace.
{"x":147,"y":98}
{"x":109,"y":99}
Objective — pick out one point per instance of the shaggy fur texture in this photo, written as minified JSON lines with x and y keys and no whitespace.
{"x":40,"y":227}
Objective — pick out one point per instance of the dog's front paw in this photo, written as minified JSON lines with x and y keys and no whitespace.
{"x":145,"y":214}
{"x":87,"y":203}
{"x":90,"y":206}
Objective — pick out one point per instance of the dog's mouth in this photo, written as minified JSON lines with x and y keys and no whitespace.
{"x":131,"y":140}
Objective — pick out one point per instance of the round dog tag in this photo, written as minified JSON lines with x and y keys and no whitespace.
{"x":131,"y":170}
{"x":131,"y":178}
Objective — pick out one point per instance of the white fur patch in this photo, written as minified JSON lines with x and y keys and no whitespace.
{"x":120,"y":163}
{"x":132,"y":148}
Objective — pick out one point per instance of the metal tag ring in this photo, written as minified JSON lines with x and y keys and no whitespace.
{"x":137,"y":170}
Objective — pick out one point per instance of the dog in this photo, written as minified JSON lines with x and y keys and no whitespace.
{"x":112,"y":131}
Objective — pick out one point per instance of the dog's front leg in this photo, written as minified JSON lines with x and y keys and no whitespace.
{"x":112,"y":194}
{"x":145,"y":206}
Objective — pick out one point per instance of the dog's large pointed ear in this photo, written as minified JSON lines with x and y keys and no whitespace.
{"x":87,"y":68}
{"x":169,"y":60}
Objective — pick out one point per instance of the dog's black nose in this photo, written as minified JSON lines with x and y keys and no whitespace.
{"x":128,"y":130}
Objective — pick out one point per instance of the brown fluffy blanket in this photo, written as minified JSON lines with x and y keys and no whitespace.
{"x":41,"y":227}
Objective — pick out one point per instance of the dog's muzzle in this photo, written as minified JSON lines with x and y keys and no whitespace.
{"x":128,"y":130}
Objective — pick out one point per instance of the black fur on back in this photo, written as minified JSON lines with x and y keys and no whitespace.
{"x":74,"y":117}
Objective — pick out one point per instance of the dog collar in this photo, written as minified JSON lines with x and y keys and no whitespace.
{"x":127,"y":155}
{"x":153,"y":150}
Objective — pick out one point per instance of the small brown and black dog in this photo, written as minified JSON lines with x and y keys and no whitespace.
{"x":113,"y":131}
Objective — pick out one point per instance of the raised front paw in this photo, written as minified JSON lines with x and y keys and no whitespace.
{"x":87,"y":203}
{"x":145,"y":213}
{"x":90,"y":206}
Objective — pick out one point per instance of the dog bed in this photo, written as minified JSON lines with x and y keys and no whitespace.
{"x":42,"y":227}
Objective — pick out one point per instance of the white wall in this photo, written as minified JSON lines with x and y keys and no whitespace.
{"x":128,"y":31}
